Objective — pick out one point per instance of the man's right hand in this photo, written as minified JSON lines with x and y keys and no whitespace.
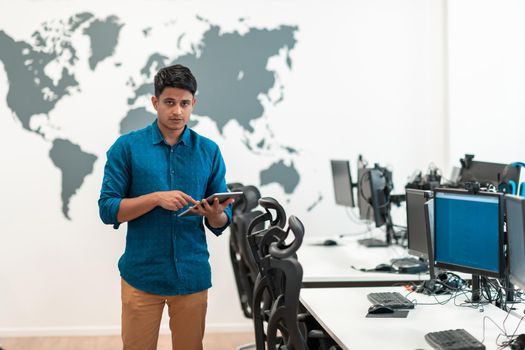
{"x":173,"y":200}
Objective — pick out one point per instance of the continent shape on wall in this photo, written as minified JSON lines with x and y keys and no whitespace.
{"x":231,"y":67}
{"x":32,"y":92}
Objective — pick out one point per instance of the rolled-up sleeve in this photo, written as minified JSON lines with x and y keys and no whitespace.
{"x":217,"y":183}
{"x":115,"y":183}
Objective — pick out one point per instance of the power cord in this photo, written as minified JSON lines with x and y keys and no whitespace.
{"x":517,"y":343}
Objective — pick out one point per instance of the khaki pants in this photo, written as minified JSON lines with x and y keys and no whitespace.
{"x":142,"y":312}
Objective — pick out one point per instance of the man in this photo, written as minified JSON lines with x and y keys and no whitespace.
{"x":150,"y":175}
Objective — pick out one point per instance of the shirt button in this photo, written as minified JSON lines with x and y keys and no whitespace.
{"x":171,"y":150}
{"x":173,"y":171}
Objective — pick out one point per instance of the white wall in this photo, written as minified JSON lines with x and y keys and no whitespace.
{"x":367,"y":77}
{"x":486,"y":80}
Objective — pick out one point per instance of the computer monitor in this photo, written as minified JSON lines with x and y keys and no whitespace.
{"x":380,"y":191}
{"x":468,"y":232}
{"x":343,"y":186}
{"x":488,"y":173}
{"x":429,"y":231}
{"x":516,"y":239}
{"x":416,"y":223}
{"x":363,"y":194}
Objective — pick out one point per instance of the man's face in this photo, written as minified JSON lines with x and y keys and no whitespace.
{"x":174,"y":107}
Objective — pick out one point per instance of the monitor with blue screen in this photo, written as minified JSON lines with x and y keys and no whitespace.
{"x":468,"y":232}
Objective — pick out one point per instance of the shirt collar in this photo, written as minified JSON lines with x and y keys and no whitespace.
{"x":185,"y":138}
{"x":156,"y":135}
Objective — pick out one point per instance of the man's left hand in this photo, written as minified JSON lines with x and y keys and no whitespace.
{"x":214,"y":212}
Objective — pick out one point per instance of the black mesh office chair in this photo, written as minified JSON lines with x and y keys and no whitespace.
{"x":281,"y":279}
{"x":276,"y":294}
{"x":244,"y":267}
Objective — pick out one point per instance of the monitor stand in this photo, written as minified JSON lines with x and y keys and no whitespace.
{"x":375,"y":243}
{"x":509,"y":294}
{"x":476,"y":289}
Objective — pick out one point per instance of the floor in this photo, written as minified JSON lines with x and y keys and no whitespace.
{"x":212,"y":341}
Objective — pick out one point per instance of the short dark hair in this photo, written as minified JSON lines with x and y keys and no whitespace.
{"x":176,"y":76}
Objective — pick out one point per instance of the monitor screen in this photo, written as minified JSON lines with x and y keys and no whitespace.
{"x":343,"y":187}
{"x":468,"y":232}
{"x":515,"y":232}
{"x":485,"y":172}
{"x":363,"y":194}
{"x":416,"y":224}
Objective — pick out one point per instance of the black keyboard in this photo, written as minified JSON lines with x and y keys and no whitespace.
{"x":390,"y":299}
{"x":454,"y":339}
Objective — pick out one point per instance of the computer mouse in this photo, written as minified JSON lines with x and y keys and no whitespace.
{"x":329,"y":242}
{"x":384,"y":267}
{"x":380,"y":309}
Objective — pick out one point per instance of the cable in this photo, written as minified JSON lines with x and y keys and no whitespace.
{"x":484,"y":326}
{"x":369,"y":200}
{"x":493,"y":290}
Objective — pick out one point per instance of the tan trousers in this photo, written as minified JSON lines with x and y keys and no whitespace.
{"x":142,"y":312}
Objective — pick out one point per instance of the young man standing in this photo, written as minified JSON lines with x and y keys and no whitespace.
{"x":150,"y":175}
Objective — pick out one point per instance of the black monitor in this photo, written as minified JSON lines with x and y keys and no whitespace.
{"x":343,"y":186}
{"x":516,"y":239}
{"x":380,"y":181}
{"x":363,"y":194}
{"x":468,"y":232}
{"x":416,"y":222}
{"x":487,"y":173}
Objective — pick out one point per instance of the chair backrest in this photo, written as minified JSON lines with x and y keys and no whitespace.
{"x":244,"y":267}
{"x":260,"y":237}
{"x":276,"y":293}
{"x":248,"y":201}
{"x":285,"y":308}
{"x":233,"y":186}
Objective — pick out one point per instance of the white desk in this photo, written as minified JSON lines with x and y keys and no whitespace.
{"x":341,"y":312}
{"x":331,"y":266}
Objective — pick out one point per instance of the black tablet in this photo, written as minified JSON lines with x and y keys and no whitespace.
{"x":223,"y":196}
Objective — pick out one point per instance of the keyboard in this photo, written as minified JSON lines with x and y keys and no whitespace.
{"x":391,"y":299}
{"x":453,"y":339}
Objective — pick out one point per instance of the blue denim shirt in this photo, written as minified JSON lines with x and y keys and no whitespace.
{"x":165,"y":254}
